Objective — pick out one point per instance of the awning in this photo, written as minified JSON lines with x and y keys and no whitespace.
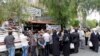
{"x":42,"y":21}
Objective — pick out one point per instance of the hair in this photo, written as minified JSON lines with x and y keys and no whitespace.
{"x":10,"y":33}
{"x":76,"y":30}
{"x":54,"y":32}
{"x":65,"y":31}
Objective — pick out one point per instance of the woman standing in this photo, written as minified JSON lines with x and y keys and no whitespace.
{"x":56,"y":51}
{"x":66,"y":43}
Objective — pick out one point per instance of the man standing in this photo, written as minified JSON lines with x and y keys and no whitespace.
{"x":95,"y":40}
{"x":46,"y":37}
{"x":75,"y":40}
{"x":9,"y":41}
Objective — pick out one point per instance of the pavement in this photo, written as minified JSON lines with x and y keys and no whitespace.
{"x":86,"y":52}
{"x":82,"y":52}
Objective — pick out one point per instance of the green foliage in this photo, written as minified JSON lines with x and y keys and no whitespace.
{"x":91,"y":23}
{"x":84,"y":6}
{"x":74,"y":23}
{"x":12,"y":9}
{"x":61,"y":10}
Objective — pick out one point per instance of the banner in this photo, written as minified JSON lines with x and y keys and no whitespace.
{"x":53,"y":27}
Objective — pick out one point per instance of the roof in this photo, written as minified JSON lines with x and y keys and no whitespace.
{"x":42,"y":21}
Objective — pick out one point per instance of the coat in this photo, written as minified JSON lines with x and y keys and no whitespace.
{"x":66,"y":44}
{"x":95,"y":41}
{"x":75,"y":39}
{"x":55,"y":45}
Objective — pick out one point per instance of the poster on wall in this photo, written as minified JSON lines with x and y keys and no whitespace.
{"x":53,"y":27}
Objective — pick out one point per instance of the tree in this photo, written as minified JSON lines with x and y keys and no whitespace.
{"x":91,"y":23}
{"x":61,"y":10}
{"x":74,"y":23}
{"x":86,"y":7}
{"x":12,"y":9}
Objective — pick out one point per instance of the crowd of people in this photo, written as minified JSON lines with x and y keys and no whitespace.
{"x":46,"y":42}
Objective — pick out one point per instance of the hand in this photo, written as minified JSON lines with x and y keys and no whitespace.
{"x":43,"y":46}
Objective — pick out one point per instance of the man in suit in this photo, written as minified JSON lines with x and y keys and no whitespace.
{"x":75,"y":40}
{"x":95,"y":40}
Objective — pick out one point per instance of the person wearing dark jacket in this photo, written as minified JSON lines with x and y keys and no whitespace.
{"x":66,"y":43}
{"x":95,"y":41}
{"x":32,"y":44}
{"x":75,"y":40}
{"x":56,"y":51}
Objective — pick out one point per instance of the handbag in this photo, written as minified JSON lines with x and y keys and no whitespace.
{"x":90,"y":44}
{"x":72,"y":46}
{"x":67,"y":39}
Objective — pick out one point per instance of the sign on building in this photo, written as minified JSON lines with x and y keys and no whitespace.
{"x":34,"y":11}
{"x":53,"y":27}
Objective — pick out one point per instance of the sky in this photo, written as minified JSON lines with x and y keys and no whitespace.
{"x":94,"y":15}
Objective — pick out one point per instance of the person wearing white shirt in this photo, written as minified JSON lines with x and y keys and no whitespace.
{"x":24,"y":42}
{"x":46,"y":37}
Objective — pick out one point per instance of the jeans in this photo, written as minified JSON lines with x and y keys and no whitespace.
{"x":11,"y":51}
{"x":25,"y":50}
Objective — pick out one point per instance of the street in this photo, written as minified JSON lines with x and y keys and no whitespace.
{"x":82,"y":52}
{"x":86,"y":52}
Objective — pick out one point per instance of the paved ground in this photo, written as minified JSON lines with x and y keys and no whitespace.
{"x":85,"y":52}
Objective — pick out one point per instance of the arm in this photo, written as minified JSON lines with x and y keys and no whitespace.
{"x":39,"y":43}
{"x":5,"y":40}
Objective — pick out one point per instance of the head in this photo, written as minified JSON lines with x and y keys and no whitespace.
{"x":10,"y":33}
{"x":54,"y":32}
{"x":76,"y":30}
{"x":65,"y":31}
{"x":30,"y":32}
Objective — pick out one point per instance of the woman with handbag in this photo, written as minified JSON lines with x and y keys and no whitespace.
{"x":66,"y":43}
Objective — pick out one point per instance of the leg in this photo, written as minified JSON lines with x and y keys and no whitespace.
{"x":76,"y":47}
{"x":80,"y":44}
{"x":26,"y":51}
{"x":9,"y":51}
{"x":96,"y":47}
{"x":23,"y":49}
{"x":34,"y":51}
{"x":40,"y":52}
{"x":86,"y":40}
{"x":47,"y":49}
{"x":12,"y":51}
{"x":83,"y":44}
